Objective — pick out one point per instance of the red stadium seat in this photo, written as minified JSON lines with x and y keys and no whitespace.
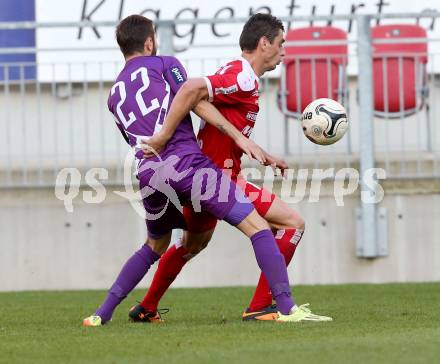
{"x":315,"y":70}
{"x":399,"y":70}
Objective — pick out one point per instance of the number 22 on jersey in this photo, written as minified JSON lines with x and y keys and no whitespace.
{"x":144,"y":109}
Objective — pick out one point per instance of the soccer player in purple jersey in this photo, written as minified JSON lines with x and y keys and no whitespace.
{"x":139,"y":100}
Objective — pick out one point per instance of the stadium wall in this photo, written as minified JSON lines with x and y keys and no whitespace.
{"x":43,"y":247}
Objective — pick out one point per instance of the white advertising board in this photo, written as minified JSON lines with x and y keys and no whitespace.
{"x":88,"y":62}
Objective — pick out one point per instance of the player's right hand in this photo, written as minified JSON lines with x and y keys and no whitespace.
{"x":252,"y":149}
{"x":153,"y":145}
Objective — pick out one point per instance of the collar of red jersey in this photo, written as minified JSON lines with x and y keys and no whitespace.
{"x":248,"y":65}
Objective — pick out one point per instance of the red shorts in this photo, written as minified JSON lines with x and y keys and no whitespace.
{"x":200,"y":222}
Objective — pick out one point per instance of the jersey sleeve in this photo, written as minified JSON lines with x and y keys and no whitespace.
{"x":228,"y":85}
{"x":174,"y":73}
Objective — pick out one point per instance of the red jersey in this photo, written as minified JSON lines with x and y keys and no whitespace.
{"x":233,"y":90}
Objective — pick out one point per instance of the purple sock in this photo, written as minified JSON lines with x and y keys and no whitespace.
{"x":131,"y":274}
{"x":273,"y":266}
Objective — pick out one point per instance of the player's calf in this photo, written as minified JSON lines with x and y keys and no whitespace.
{"x":269,"y":258}
{"x":194,"y":243}
{"x":159,"y":244}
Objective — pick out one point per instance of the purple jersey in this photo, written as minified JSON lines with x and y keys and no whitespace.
{"x":140,"y":100}
{"x":182,"y":175}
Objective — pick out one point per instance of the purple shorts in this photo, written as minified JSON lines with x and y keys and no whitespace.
{"x":192,"y":180}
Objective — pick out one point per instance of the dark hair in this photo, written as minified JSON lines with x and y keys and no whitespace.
{"x":259,"y":25}
{"x":132,"y":32}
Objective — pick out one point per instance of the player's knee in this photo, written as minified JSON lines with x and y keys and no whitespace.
{"x":195,"y":245}
{"x":301,"y":224}
{"x":295,"y":221}
{"x":158,"y":246}
{"x":202,"y":245}
{"x":196,"y":248}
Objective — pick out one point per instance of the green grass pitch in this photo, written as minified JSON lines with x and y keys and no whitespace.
{"x":393,"y":323}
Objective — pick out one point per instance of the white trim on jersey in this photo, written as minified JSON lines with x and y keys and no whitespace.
{"x":246,"y":81}
{"x":139,"y":138}
{"x":209,"y":87}
{"x":297,"y":236}
{"x":253,"y":184}
{"x":164,"y":106}
{"x":280,"y":233}
{"x":294,"y":239}
{"x":248,"y":77}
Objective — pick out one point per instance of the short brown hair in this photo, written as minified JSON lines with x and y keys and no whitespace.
{"x":259,"y":25}
{"x":132,"y":32}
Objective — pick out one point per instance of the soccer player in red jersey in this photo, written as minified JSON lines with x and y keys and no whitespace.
{"x":139,"y":100}
{"x":234,"y":91}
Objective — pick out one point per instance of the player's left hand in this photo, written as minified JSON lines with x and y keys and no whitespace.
{"x":252,"y":149}
{"x":276,"y":162}
{"x":153,"y":145}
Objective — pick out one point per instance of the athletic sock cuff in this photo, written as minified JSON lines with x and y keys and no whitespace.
{"x":258,"y":235}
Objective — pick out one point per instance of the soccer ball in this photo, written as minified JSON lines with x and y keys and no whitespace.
{"x":324,"y":121}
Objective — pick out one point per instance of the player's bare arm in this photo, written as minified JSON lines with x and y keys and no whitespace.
{"x":212,"y":115}
{"x":191,"y":96}
{"x":185,"y":100}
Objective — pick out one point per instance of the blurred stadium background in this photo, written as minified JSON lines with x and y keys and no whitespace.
{"x":58,"y":61}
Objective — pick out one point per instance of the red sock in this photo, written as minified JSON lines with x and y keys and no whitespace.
{"x":170,"y":264}
{"x":287,"y":241}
